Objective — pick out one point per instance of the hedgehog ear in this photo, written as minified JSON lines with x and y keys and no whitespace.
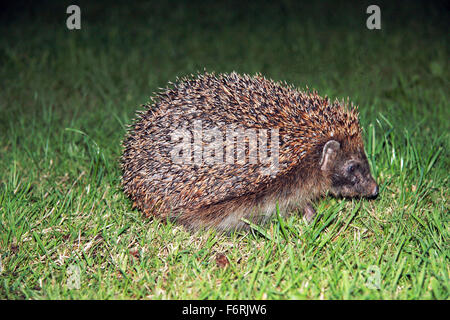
{"x":330,"y":150}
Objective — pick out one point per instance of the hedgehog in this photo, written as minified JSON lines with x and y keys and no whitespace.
{"x":228,"y":150}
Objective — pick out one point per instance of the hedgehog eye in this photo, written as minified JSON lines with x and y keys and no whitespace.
{"x":351,"y":168}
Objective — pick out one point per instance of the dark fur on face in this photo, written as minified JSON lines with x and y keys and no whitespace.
{"x":350,"y":173}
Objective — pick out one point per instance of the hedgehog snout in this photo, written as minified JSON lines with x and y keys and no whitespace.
{"x":352,"y":179}
{"x":373,"y":194}
{"x":369,"y":188}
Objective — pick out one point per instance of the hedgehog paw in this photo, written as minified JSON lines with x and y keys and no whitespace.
{"x":309,"y":213}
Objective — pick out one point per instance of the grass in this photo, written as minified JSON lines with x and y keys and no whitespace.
{"x":66,"y":97}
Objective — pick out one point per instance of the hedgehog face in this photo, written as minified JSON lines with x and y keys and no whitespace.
{"x":350,"y":173}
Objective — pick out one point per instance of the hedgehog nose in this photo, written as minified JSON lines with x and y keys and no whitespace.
{"x":374,"y":193}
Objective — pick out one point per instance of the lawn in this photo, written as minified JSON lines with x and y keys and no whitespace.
{"x":67,"y":231}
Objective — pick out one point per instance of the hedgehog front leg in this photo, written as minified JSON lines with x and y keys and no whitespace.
{"x":309,"y":213}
